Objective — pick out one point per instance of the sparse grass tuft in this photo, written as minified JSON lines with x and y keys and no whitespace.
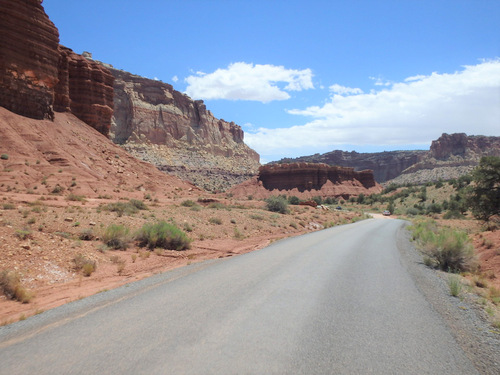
{"x":455,"y":285}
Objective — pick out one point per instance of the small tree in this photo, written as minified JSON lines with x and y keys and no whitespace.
{"x":484,"y":196}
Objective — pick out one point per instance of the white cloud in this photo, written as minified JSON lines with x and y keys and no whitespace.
{"x":243,"y":81}
{"x":415,"y":111}
{"x":175,"y":78}
{"x":342,"y":90}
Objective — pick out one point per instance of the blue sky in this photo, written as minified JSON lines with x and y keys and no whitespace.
{"x":303,"y":77}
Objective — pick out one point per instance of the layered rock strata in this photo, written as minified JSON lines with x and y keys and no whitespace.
{"x":385,"y":165}
{"x":315,"y":177}
{"x":28,"y":59}
{"x":177,"y":134}
{"x":38,"y":76}
{"x":85,"y":88}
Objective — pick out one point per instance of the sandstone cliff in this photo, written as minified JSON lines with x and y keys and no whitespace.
{"x":85,"y":88}
{"x":38,"y":76}
{"x":307,"y":180}
{"x":28,"y":59}
{"x":165,"y":127}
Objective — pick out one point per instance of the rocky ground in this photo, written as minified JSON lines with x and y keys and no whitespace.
{"x":41,"y":236}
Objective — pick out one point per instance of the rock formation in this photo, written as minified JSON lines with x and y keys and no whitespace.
{"x":309,"y":176}
{"x":385,"y":165}
{"x":307,"y":180}
{"x":28,"y":59}
{"x":38,"y":76}
{"x":450,"y":156}
{"x":165,"y":127}
{"x":85,"y":88}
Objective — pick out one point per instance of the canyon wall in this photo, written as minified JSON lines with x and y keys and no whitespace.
{"x":38,"y":76}
{"x":28,"y":59}
{"x":450,"y":156}
{"x":385,"y":165}
{"x":179,"y":135}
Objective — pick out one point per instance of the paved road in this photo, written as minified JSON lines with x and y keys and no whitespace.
{"x":337,"y":301}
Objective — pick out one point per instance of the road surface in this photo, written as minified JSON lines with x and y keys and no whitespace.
{"x":336,"y":301}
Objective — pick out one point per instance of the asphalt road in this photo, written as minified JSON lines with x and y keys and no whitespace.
{"x":337,"y":301}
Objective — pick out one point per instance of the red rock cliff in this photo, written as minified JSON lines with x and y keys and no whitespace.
{"x":37,"y":75}
{"x":28,"y":58}
{"x":309,"y":176}
{"x":85,"y":88}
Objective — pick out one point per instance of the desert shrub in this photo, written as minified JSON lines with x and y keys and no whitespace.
{"x":116,"y":236}
{"x":164,"y":235}
{"x":447,"y":249}
{"x":277,"y":204}
{"x":8,"y":206}
{"x":434,"y":208}
{"x":86,"y":234}
{"x":215,"y":220}
{"x":58,"y":189}
{"x":188,"y":203}
{"x":293,"y":200}
{"x":23,"y":234}
{"x":125,"y":208}
{"x":84,"y":264}
{"x":75,"y":198}
{"x":4,"y":157}
{"x":412,"y":211}
{"x":453,"y":214}
{"x":11,"y":287}
{"x":140,"y":205}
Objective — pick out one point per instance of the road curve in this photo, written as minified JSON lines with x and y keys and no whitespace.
{"x":336,"y":301}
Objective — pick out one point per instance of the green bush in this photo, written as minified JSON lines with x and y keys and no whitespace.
{"x":164,"y":235}
{"x":116,"y":236}
{"x":447,"y":249}
{"x":293,"y":200}
{"x":4,"y":157}
{"x":277,"y":204}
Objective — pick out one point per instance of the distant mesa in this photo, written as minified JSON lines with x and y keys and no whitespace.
{"x":307,"y":180}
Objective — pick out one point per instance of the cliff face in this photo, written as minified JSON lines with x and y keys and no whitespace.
{"x":385,"y":165}
{"x":165,"y":127}
{"x":307,"y":180}
{"x":28,"y":59}
{"x":85,"y":88}
{"x":38,"y":76}
{"x":309,"y":176}
{"x":450,"y":156}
